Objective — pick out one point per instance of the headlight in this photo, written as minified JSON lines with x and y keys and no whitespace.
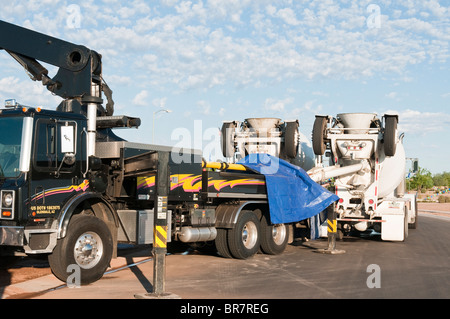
{"x":7,"y":205}
{"x":7,"y":200}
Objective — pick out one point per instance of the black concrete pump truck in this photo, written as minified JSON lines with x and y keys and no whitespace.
{"x":72,"y":189}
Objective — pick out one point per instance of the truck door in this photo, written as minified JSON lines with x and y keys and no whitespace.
{"x":55,"y":167}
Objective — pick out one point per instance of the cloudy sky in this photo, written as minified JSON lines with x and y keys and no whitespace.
{"x":214,"y":60}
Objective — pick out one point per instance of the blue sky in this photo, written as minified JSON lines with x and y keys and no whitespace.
{"x":214,"y":60}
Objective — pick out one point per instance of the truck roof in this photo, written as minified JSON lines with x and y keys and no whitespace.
{"x":28,"y":111}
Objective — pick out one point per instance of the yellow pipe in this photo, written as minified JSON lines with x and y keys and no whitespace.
{"x":223,"y":166}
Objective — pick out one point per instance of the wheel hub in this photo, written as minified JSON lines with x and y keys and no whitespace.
{"x":249,"y":235}
{"x":278,"y":234}
{"x":88,"y":250}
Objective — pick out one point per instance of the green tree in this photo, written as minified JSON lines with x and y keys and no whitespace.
{"x":442,"y":179}
{"x":422,"y":180}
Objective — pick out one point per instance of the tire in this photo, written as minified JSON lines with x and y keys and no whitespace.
{"x":244,"y":238}
{"x":318,"y":135}
{"x":226,"y":139}
{"x":221,"y":242}
{"x":390,"y":132}
{"x":291,"y":139}
{"x":416,"y":222}
{"x":274,"y":238}
{"x":86,"y":234}
{"x":405,"y":225}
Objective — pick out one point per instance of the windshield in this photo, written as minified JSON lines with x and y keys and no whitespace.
{"x":10,"y":140}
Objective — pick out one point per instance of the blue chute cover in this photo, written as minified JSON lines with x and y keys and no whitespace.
{"x":293,"y":196}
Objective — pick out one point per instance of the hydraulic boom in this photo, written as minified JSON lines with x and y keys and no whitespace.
{"x":79,"y":77}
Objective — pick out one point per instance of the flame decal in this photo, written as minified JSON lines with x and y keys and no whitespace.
{"x":193,"y":183}
{"x":219,"y":184}
{"x":69,"y":189}
{"x":145,"y":182}
{"x":189,"y":182}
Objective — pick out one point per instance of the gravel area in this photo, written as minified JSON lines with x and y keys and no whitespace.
{"x":440,"y":209}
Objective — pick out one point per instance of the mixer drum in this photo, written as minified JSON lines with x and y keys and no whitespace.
{"x":356,"y":123}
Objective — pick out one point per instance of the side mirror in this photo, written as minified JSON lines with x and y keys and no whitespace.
{"x":67,"y":139}
{"x":415,"y":166}
{"x":68,"y":144}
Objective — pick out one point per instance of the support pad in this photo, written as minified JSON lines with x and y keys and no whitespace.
{"x":330,"y":251}
{"x":165,"y":295}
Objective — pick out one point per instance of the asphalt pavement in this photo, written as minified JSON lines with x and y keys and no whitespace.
{"x":370,"y":268}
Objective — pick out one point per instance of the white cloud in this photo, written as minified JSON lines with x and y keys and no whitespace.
{"x":245,"y":43}
{"x":420,"y":123}
{"x":252,"y":52}
{"x":205,"y":107}
{"x":392,"y":95}
{"x":320,"y":93}
{"x":118,"y":80}
{"x":271,"y":104}
{"x":141,"y":99}
{"x":27,"y":92}
{"x":160,"y":102}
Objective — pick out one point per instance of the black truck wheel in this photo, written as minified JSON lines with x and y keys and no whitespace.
{"x":274,"y":238}
{"x":88,"y":245}
{"x":318,"y":135}
{"x":291,"y":139}
{"x":244,"y":238}
{"x":390,"y":132}
{"x":221,"y":242}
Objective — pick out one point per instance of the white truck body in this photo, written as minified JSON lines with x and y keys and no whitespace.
{"x":368,"y":163}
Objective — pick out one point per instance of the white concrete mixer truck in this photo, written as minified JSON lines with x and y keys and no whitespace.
{"x":367,"y":160}
{"x":267,"y":135}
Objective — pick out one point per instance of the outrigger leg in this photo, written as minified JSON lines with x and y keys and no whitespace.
{"x":332,"y":233}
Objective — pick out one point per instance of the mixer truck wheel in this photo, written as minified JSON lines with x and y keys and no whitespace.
{"x":274,"y":238}
{"x":405,"y":225}
{"x":318,"y":135}
{"x":390,"y":132}
{"x":291,"y":139}
{"x":244,"y":238}
{"x":413,"y":225}
{"x":226,"y":139}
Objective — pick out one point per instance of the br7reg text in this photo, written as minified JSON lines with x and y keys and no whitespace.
{"x":234,"y":308}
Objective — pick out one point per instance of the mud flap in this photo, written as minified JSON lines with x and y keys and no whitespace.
{"x":395,"y":217}
{"x":393,"y":227}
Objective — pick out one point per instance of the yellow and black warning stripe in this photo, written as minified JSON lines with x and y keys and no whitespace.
{"x":332,"y":226}
{"x":160,"y":237}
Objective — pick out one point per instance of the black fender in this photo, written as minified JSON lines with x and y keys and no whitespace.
{"x":228,"y":213}
{"x":71,"y":205}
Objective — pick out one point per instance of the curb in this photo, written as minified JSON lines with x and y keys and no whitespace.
{"x":32,"y":286}
{"x":50,"y":282}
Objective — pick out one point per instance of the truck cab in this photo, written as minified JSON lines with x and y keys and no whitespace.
{"x":42,"y":164}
